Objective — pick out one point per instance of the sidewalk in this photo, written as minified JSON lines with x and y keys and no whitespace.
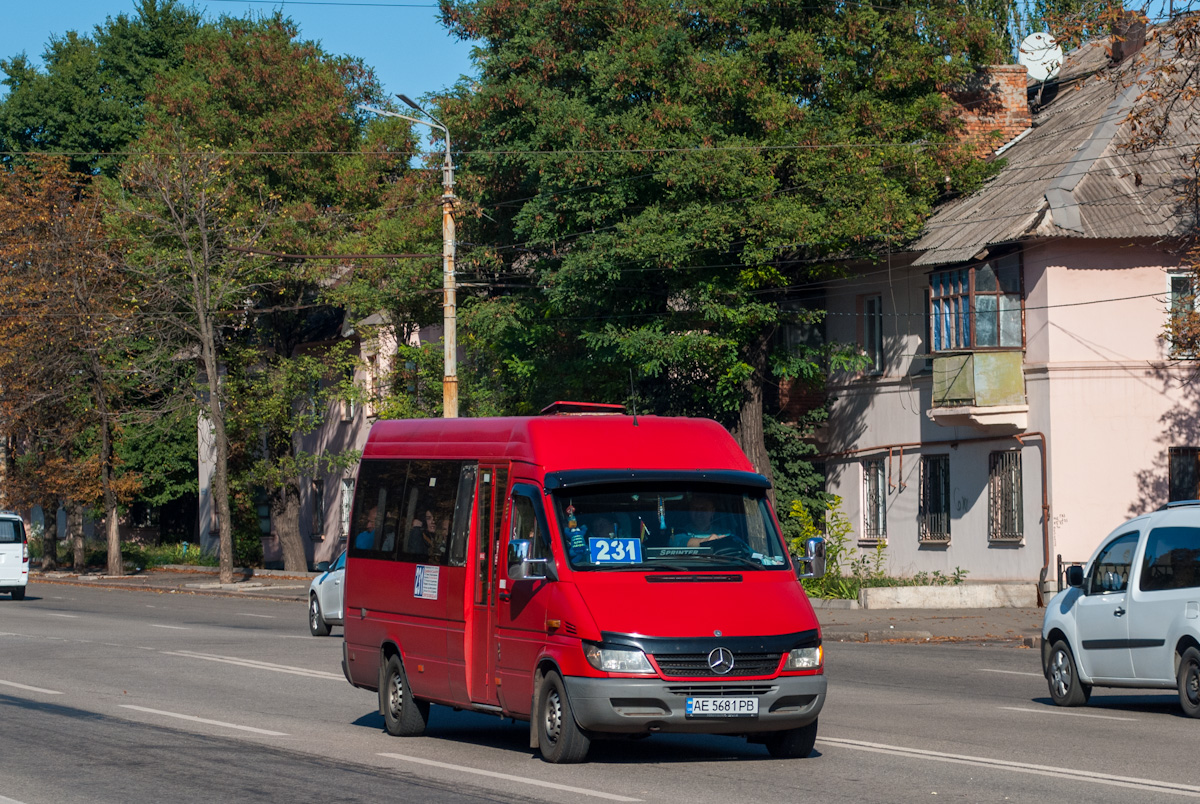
{"x":1015,"y":626}
{"x":181,"y":579}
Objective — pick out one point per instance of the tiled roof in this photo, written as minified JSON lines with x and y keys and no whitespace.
{"x":1068,"y":176}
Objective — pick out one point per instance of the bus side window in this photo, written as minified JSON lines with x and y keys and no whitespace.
{"x":464,"y":503}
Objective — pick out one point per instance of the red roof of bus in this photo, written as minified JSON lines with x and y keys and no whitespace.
{"x":564,"y":442}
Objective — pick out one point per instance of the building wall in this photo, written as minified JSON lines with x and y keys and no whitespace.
{"x":1098,"y":386}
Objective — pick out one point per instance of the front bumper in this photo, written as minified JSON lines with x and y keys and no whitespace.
{"x":639,"y":706}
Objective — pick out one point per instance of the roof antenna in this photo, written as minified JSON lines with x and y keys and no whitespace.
{"x":633,"y":396}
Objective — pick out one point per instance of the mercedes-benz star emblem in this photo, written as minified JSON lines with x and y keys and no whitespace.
{"x":720,"y":660}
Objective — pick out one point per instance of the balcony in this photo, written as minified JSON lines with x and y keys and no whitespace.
{"x":984,"y":390}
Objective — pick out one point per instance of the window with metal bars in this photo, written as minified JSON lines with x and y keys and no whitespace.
{"x":874,"y":502}
{"x":934,"y":516}
{"x":1184,"y":473}
{"x":1005,"y":515}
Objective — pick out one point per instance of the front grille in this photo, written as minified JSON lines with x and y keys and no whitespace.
{"x":695,"y":665}
{"x":720,"y":689}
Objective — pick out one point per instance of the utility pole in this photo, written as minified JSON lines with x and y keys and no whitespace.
{"x":449,"y":290}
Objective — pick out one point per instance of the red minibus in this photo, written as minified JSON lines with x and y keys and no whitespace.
{"x":595,"y":575}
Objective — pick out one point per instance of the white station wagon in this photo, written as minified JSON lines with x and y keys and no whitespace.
{"x":14,"y":555}
{"x":1131,"y":616}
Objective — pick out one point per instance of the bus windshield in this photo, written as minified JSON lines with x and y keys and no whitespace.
{"x":662,"y":527}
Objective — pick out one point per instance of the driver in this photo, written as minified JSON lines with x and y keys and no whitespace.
{"x":702,"y":525}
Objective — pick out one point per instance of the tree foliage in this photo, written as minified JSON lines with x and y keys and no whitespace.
{"x":656,"y":180}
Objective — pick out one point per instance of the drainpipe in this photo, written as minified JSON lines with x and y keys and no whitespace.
{"x":1018,"y":437}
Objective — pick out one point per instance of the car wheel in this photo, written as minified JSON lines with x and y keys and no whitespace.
{"x":403,"y":715}
{"x":316,"y":622}
{"x":18,"y":594}
{"x":1188,"y":682}
{"x":1063,"y":677}
{"x":793,"y":743}
{"x":559,"y":737}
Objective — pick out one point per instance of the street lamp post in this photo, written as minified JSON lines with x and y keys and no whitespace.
{"x":449,"y":293}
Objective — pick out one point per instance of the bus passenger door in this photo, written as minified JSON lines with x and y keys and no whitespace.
{"x":481,"y":656}
{"x":523,"y":605}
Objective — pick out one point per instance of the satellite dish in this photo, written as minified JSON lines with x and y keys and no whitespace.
{"x":1041,"y":56}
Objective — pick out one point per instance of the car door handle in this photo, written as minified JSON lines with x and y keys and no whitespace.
{"x":1120,"y":612}
{"x":504,"y":597}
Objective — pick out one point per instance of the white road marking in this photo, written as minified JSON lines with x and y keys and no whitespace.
{"x":1057,"y":711}
{"x":278,"y":668}
{"x":195,"y":719}
{"x":68,"y":616}
{"x":4,"y":800}
{"x":583,"y":791}
{"x":1011,"y":672}
{"x":31,"y":689}
{"x":173,"y":627}
{"x":264,"y":616}
{"x":1091,"y":777}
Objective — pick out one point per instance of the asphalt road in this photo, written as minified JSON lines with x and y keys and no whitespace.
{"x":118,"y":696}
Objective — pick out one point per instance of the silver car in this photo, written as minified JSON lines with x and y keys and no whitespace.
{"x":326,"y":594}
{"x":14,"y":555}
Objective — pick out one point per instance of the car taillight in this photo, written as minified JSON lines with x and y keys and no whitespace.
{"x":25,"y":552}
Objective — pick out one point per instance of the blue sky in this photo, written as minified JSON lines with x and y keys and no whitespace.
{"x":403,"y":40}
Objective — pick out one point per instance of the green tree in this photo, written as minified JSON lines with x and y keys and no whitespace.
{"x":254,"y":145}
{"x":656,"y":179}
{"x":89,"y":98}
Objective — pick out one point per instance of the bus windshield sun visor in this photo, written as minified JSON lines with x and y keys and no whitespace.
{"x":593,"y":477}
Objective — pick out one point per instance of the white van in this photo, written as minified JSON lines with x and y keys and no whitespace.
{"x":1131,"y":617}
{"x":14,"y":555}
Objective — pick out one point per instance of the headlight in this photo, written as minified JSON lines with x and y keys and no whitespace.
{"x":611,"y":660}
{"x":803,"y":658}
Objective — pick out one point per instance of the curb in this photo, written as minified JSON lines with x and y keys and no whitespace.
{"x":249,"y":594}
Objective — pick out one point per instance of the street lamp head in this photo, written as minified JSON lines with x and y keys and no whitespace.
{"x":409,"y":101}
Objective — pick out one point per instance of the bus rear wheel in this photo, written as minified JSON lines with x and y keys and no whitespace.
{"x":403,"y":715}
{"x":559,"y":736}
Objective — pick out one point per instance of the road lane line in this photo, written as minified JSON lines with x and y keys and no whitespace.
{"x":1058,"y":711}
{"x":1011,"y":672}
{"x":31,"y":689}
{"x":172,"y":627}
{"x":264,"y":616}
{"x":195,"y":719}
{"x":1151,"y":785}
{"x":583,"y":791}
{"x":257,"y":665}
{"x":68,"y":616}
{"x":4,"y":800}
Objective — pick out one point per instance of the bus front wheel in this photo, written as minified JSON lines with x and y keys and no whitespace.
{"x":403,"y":715}
{"x":559,"y":736}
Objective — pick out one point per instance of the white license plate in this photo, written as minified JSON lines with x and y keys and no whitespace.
{"x":722,"y":707}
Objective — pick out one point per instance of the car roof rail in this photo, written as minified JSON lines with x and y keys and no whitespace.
{"x":1179,"y":504}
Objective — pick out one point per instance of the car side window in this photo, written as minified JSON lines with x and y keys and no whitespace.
{"x":340,"y":563}
{"x":1110,"y":571}
{"x":1172,"y":559}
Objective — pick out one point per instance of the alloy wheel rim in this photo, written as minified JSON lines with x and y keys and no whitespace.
{"x":312,"y":612}
{"x":1061,"y":673}
{"x":1191,"y":683}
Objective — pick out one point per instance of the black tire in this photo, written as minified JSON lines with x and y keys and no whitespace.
{"x":1187,"y":680}
{"x":793,"y":743}
{"x":1062,"y":675}
{"x":403,"y":715}
{"x":316,"y":621}
{"x":18,"y":594}
{"x":560,"y":739}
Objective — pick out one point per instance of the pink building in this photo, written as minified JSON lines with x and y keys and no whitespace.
{"x":1023,"y":399}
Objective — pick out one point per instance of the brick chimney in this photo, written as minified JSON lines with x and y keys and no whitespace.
{"x":1129,"y":36}
{"x":993,"y":100}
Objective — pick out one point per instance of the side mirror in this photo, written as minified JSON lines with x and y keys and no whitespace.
{"x":1075,"y":576}
{"x":322,"y":566}
{"x":814,"y":557}
{"x":520,"y":566}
